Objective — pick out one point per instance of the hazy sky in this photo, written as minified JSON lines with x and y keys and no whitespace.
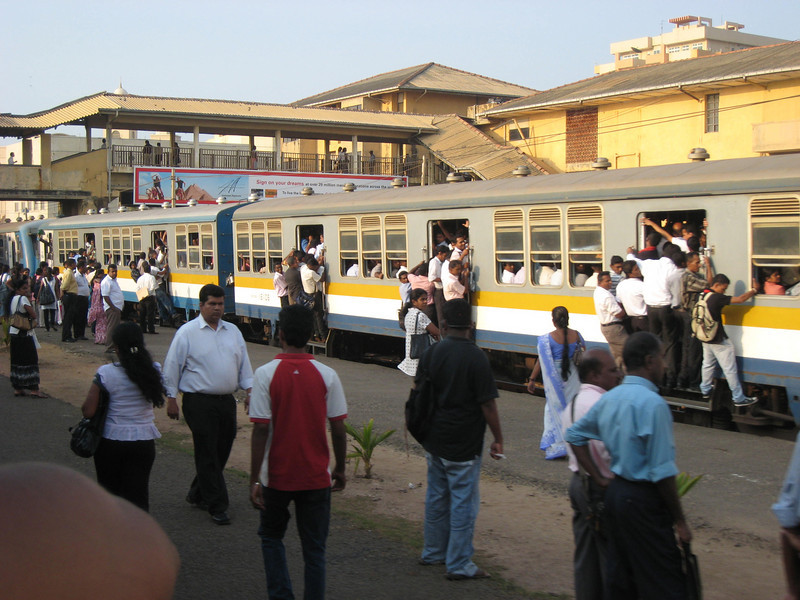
{"x":55,"y":51}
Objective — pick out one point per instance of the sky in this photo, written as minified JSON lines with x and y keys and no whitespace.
{"x":56,"y":51}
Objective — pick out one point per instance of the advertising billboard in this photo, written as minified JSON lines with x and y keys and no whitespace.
{"x":154,"y":185}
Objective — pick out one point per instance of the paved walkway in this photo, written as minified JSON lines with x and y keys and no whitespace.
{"x":225,"y":562}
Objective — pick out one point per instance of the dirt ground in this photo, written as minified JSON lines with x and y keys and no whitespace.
{"x":523,"y":533}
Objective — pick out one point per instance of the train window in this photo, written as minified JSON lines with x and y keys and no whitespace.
{"x":193,"y":238}
{"x":136,"y":237}
{"x":107,"y":258}
{"x":116,"y":246}
{"x":181,"y":246}
{"x":585,"y":239}
{"x":274,"y":244}
{"x":775,"y":244}
{"x":207,"y":246}
{"x":67,"y":244}
{"x":243,"y":246}
{"x":371,"y":250}
{"x":348,"y":247}
{"x":126,"y":245}
{"x":259,"y":246}
{"x":509,"y":251}
{"x":545,"y":248}
{"x":395,"y":243}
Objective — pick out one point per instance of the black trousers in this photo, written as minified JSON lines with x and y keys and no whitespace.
{"x":664,"y":326}
{"x":81,"y":315}
{"x":147,"y":314}
{"x":68,"y":301}
{"x":691,"y":353}
{"x":212,"y":420}
{"x":643,"y":557}
{"x":123,"y":468}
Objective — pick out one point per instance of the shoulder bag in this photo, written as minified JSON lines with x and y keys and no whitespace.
{"x":21,"y":320}
{"x":87,"y":433}
{"x":46,"y":295}
{"x":421,"y":404}
{"x":419,"y":341}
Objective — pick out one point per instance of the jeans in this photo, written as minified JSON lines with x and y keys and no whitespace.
{"x":165,"y":307}
{"x":723,"y":354}
{"x":451,"y":507}
{"x":313,"y":512}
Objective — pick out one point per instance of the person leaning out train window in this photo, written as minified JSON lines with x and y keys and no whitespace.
{"x":772,"y":282}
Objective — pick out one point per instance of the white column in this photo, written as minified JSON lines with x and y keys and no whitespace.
{"x":355,"y":164}
{"x":278,"y":150}
{"x":196,"y":146}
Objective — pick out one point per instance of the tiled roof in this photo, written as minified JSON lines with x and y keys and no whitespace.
{"x":466,"y":148}
{"x":157,"y":107}
{"x":752,"y":65}
{"x":430,"y":76}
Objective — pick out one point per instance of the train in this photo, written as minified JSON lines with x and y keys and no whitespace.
{"x":751,"y":207}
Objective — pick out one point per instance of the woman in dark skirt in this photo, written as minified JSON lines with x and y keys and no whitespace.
{"x":24,"y":357}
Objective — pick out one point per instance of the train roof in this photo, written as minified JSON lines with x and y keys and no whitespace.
{"x":760,"y":174}
{"x":23,"y":225}
{"x":154,"y":216}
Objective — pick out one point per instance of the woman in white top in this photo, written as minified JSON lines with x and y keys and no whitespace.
{"x":48,"y":308}
{"x":24,"y":357}
{"x":133,"y":385}
{"x":415,"y":322}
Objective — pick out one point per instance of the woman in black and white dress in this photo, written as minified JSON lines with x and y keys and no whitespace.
{"x":416,"y":322}
{"x":24,"y":356}
{"x":127,"y":450}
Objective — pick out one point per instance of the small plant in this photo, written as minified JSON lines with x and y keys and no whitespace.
{"x":364,"y":443}
{"x":685,"y":482}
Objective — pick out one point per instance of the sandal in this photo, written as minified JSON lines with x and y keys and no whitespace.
{"x":38,"y":395}
{"x":20,"y":393}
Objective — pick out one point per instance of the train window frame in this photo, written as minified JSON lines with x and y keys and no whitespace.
{"x":182,"y":246}
{"x":116,"y":246}
{"x":584,"y":218}
{"x":370,"y":225}
{"x":783,"y":212}
{"x":505,"y":219}
{"x":391,"y":225}
{"x":258,"y":256}
{"x":242,"y":233}
{"x":348,"y":253}
{"x":67,"y":244}
{"x":274,"y":253}
{"x":547,"y":216}
{"x":207,"y":246}
{"x":106,"y":248}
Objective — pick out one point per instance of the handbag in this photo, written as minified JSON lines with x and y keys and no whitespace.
{"x":86,"y":435}
{"x":46,"y":295}
{"x":691,"y":570}
{"x":305,"y":299}
{"x":22,"y":321}
{"x":419,"y":341}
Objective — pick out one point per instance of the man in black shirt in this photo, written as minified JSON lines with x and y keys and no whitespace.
{"x":720,"y":350}
{"x":465,"y":392}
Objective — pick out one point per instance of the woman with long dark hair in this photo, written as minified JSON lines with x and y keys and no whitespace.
{"x":132,"y":387}
{"x":24,"y":357}
{"x":556,"y":363}
{"x":415,"y":321}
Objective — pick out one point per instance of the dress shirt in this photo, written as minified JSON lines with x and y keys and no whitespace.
{"x":148,"y":282}
{"x":279,"y":283}
{"x":352,"y":271}
{"x":592,"y":282}
{"x":692,"y":285}
{"x":630,"y":292}
{"x":546,"y":275}
{"x":635,"y":424}
{"x":68,"y":283}
{"x":309,"y":277}
{"x":207,"y":361}
{"x":83,"y":284}
{"x":452,"y":287}
{"x":507,"y":276}
{"x":606,"y":307}
{"x":557,"y":278}
{"x":674,"y":283}
{"x":109,"y":288}
{"x":680,"y":243}
{"x":421,"y":282}
{"x":519,"y":276}
{"x":587,"y":397}
{"x":656,"y":280}
{"x":435,"y":271}
{"x":787,"y":508}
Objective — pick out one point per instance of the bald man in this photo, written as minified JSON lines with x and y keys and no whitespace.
{"x":85,"y":544}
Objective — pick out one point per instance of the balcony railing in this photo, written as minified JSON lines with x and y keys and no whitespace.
{"x":240,"y":159}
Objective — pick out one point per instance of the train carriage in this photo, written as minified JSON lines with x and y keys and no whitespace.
{"x":198,"y":240}
{"x":570,"y":222}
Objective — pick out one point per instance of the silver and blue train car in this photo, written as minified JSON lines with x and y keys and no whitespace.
{"x":749,"y":208}
{"x":197,"y":238}
{"x":23,"y":242}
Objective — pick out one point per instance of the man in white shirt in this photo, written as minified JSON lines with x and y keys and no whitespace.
{"x":610,"y":314}
{"x":453,"y":282}
{"x":207,"y":362}
{"x":659,"y":283}
{"x":630,"y":293}
{"x":113,"y":303}
{"x":352,"y":270}
{"x":435,"y":275}
{"x":147,"y":304}
{"x":598,"y":373}
{"x":81,"y":301}
{"x":508,"y":273}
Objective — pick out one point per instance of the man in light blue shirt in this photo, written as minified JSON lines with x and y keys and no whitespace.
{"x":642,"y":503}
{"x":787,"y":510}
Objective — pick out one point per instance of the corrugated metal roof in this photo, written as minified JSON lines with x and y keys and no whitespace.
{"x":430,"y":76}
{"x":466,"y":148}
{"x":759,"y":65}
{"x":89,"y":106}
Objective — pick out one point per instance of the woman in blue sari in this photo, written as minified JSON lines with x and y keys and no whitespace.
{"x":556,"y":363}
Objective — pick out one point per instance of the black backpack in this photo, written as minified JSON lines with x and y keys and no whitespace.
{"x":421,"y":404}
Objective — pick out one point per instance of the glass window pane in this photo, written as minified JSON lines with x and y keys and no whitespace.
{"x":371,"y":241}
{"x":258,"y":242}
{"x":776,"y":239}
{"x":396,"y":240}
{"x":583,"y":238}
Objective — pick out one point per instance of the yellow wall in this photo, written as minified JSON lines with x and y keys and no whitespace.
{"x":663,"y":130}
{"x":86,"y":172}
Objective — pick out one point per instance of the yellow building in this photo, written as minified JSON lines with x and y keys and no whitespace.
{"x":736,"y":104}
{"x":430,"y":89}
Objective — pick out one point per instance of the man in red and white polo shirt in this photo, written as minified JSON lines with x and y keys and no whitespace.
{"x":294,"y":399}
